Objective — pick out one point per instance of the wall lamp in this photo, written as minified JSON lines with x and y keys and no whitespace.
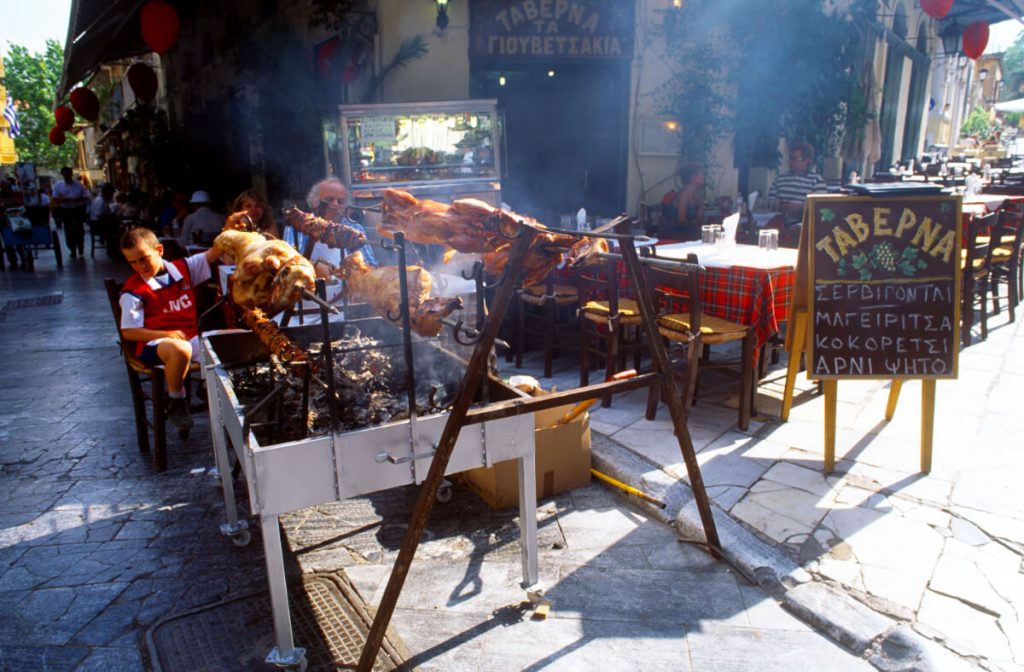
{"x":442,"y":14}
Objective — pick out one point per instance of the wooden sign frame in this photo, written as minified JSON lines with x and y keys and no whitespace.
{"x":937,"y":232}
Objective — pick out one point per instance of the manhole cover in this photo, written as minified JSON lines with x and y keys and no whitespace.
{"x":48,"y":300}
{"x":329,"y":620}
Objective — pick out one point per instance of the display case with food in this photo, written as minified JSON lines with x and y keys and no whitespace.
{"x":438,"y":150}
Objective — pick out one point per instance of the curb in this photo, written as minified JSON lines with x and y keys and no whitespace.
{"x":889,"y":645}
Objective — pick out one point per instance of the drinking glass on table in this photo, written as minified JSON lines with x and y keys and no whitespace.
{"x":567,"y":222}
{"x":768,"y":239}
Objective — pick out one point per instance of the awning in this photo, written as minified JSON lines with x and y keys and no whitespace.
{"x":1016,"y":105}
{"x":965,"y":12}
{"x":99,"y":31}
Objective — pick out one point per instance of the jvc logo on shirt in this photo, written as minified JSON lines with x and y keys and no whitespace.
{"x":177,"y":305}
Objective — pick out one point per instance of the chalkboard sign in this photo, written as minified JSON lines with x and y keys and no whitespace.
{"x":884,"y":286}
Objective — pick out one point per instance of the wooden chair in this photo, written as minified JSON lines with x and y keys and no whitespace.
{"x":609,"y":325}
{"x":541,"y":311}
{"x":976,"y":257}
{"x":140,"y":377}
{"x":683,"y":323}
{"x":1006,"y":267}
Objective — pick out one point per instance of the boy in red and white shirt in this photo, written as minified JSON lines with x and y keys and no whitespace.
{"x":158,"y":311}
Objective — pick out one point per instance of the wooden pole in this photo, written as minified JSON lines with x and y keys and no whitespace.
{"x":927,"y":423}
{"x":475,"y":370}
{"x":831,"y":394}
{"x":669,"y":393}
{"x":894,"y":397}
{"x":796,"y":351}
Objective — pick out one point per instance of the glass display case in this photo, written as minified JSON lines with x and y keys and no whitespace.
{"x":438,"y":150}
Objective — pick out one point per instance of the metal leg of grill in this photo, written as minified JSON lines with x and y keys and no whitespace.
{"x":285,"y":654}
{"x":528,"y":518}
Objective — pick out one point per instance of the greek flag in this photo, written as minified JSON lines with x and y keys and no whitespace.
{"x":11,"y":115}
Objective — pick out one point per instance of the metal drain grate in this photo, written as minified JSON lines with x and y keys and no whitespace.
{"x":328,"y":620}
{"x":48,"y":300}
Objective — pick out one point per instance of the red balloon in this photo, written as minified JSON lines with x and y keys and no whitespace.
{"x":160,"y":24}
{"x":86,"y":104}
{"x":975,"y":39}
{"x":64,"y":117}
{"x":937,"y":9}
{"x":56,"y":136}
{"x":143,"y":81}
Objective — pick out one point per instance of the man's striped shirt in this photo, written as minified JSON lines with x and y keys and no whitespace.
{"x":794,"y":188}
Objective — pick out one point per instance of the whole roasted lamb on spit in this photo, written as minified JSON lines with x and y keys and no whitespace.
{"x":380,"y":288}
{"x":269,"y":274}
{"x":465,"y":226}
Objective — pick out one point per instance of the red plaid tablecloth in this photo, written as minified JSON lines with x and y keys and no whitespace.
{"x":750,"y":296}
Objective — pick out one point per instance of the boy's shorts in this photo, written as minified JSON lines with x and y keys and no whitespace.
{"x":149,"y":357}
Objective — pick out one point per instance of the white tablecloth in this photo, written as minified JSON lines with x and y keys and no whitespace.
{"x":750,"y":256}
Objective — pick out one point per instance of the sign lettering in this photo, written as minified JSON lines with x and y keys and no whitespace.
{"x":884,"y":293}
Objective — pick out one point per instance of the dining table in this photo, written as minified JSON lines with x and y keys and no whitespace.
{"x":742,"y":283}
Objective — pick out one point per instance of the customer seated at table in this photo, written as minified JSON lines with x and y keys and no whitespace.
{"x":159,"y":314}
{"x":683,"y":209}
{"x":791,"y":188}
{"x":203,"y":225}
{"x":250,"y":209}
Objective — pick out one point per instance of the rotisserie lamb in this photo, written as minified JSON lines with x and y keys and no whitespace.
{"x":380,"y":288}
{"x":465,"y":226}
{"x":269,"y":274}
{"x":340,"y":236}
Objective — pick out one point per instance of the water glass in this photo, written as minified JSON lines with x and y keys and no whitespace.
{"x":773,"y":239}
{"x":707,"y":233}
{"x":567,"y":223}
{"x":764,"y":239}
{"x":720,"y":240}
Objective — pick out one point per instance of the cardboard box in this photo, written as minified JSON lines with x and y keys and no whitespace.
{"x":563,"y":462}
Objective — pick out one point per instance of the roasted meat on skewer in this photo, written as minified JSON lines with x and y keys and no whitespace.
{"x":273,"y":338}
{"x":341,"y":236}
{"x":474,"y":227}
{"x":380,"y":288}
{"x":269,"y":274}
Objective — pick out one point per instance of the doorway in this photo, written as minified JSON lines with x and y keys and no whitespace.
{"x":564,"y":134}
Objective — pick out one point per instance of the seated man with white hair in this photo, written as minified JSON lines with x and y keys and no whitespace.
{"x":329,"y":199}
{"x":203,"y":225}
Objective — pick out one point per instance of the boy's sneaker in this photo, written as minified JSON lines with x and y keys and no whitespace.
{"x":178,"y":413}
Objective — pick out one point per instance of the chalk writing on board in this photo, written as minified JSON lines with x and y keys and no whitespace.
{"x":883,"y":295}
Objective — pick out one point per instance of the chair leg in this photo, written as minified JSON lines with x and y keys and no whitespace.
{"x":746,"y":380}
{"x":159,"y":420}
{"x":549,"y":336}
{"x":693,"y":358}
{"x":584,"y":353}
{"x":520,"y":312}
{"x":983,"y":294}
{"x":510,"y":352}
{"x":139,"y":404}
{"x":1014,"y":298}
{"x":967,"y":313}
{"x":611,"y":358}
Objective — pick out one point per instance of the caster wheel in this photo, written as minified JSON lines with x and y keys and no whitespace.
{"x":444,"y":494}
{"x":241,"y":539}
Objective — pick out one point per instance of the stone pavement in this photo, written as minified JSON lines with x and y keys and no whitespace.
{"x":875,"y":552}
{"x":96,"y":546}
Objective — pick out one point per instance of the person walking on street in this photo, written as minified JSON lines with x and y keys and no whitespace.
{"x":70,"y":202}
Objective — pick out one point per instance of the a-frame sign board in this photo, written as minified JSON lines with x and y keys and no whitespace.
{"x":877,"y":297}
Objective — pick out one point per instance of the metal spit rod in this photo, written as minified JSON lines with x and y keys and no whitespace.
{"x":410,"y":373}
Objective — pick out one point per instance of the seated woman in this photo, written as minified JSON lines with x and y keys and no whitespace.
{"x":683,"y":214}
{"x":257,"y":214}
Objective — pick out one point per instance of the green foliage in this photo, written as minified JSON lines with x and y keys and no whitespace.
{"x":32,"y":79}
{"x":784,"y":67}
{"x":1013,"y":58}
{"x":1012,"y":119}
{"x":412,"y":49}
{"x":977,"y":124}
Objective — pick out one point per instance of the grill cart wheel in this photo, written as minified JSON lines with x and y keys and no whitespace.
{"x":444,"y":492}
{"x":241,"y":538}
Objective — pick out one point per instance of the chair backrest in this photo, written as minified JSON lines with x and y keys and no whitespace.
{"x":599,"y":282}
{"x":113,"y":288}
{"x":678,"y":289}
{"x":979,"y":243}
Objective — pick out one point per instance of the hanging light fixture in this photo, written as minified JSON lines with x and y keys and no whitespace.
{"x":442,"y":14}
{"x":950,"y":36}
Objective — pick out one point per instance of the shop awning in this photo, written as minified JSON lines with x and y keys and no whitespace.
{"x":1016,"y":105}
{"x":99,"y":31}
